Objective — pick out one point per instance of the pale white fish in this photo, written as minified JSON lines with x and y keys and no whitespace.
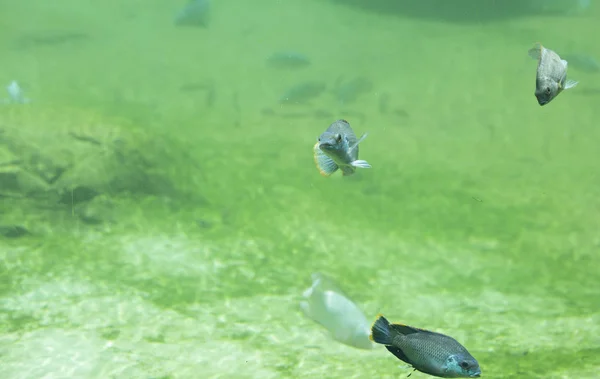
{"x":327,"y":305}
{"x":15,"y":94}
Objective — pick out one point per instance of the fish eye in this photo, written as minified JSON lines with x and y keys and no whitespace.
{"x":338,"y":138}
{"x":548,"y":90}
{"x":464,"y":364}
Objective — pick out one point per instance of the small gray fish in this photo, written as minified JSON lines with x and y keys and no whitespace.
{"x":551,"y":76}
{"x":337,"y":148}
{"x":429,"y":352}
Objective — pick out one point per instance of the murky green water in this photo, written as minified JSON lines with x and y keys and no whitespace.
{"x":161,"y":213}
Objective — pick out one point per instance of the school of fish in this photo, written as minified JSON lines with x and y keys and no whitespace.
{"x":429,"y":352}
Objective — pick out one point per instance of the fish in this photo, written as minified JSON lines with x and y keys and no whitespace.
{"x":551,"y":75}
{"x":15,"y":93}
{"x":195,"y":13}
{"x":428,"y":352}
{"x":326,"y":304}
{"x":302,"y":93}
{"x":288,"y":59}
{"x":347,"y":92}
{"x":337,"y":148}
{"x":582,"y":62}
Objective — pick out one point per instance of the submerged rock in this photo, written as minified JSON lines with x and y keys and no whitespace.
{"x":68,"y":156}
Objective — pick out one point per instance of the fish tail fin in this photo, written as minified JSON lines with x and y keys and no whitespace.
{"x":381,"y":332}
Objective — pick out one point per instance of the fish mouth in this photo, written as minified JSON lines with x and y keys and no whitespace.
{"x":476,"y":374}
{"x":542,"y":101}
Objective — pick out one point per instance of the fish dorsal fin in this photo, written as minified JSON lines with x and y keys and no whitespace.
{"x":404,"y":329}
{"x":398,"y":353}
{"x":362,"y":138}
{"x":536,"y":51}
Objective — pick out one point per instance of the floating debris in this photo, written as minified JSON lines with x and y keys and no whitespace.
{"x":327,"y":305}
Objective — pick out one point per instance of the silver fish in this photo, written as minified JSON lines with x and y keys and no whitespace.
{"x":337,"y":148}
{"x":429,"y":352}
{"x":551,"y":76}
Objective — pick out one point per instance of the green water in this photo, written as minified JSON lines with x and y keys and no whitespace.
{"x":479,"y":218}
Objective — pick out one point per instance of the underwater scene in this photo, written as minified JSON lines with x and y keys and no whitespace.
{"x":299,"y":189}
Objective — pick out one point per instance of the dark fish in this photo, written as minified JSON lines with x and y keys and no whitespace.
{"x":551,"y":75}
{"x":195,"y":13}
{"x":337,"y":148}
{"x":288,"y":59}
{"x":302,"y":93}
{"x":429,"y":352}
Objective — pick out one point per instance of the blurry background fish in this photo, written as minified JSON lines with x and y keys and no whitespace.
{"x":479,"y":10}
{"x":15,"y":94}
{"x":327,"y":305}
{"x":195,"y":13}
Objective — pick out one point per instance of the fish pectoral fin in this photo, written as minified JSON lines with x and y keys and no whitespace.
{"x":570,"y":84}
{"x":398,"y":353}
{"x":536,"y":51}
{"x":361,"y":164}
{"x":362,"y":138}
{"x":325,"y":164}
